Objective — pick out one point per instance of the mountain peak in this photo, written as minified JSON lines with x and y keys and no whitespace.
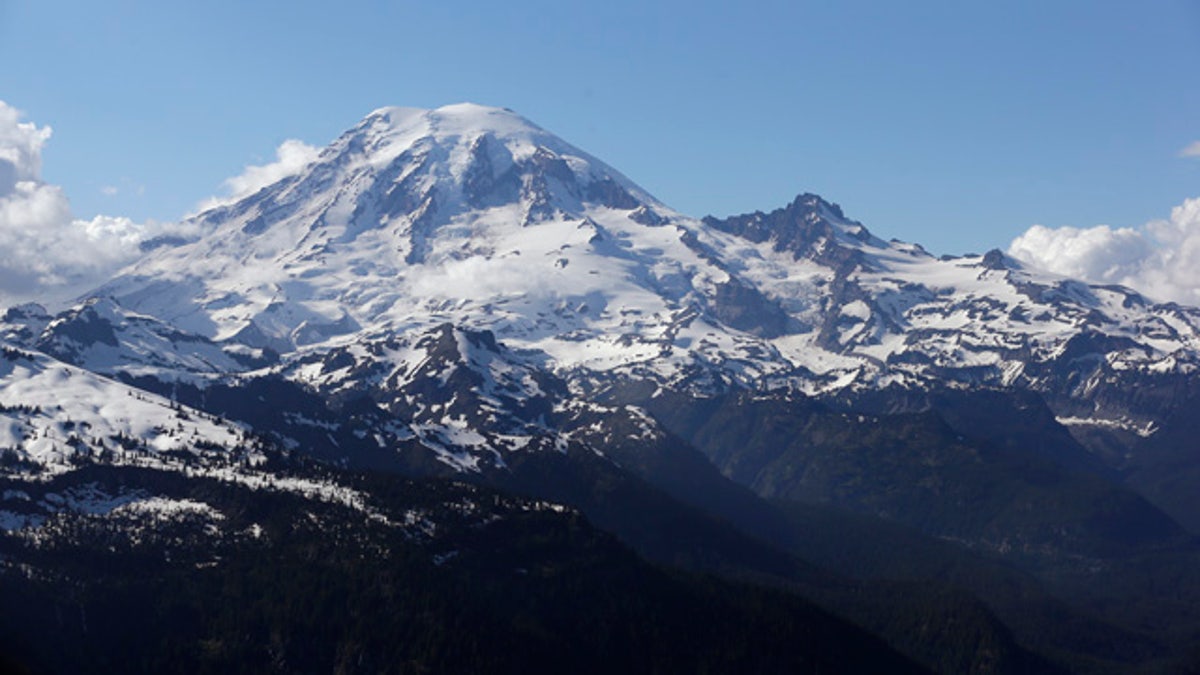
{"x":405,"y":188}
{"x":451,"y":122}
{"x":431,"y":166}
{"x":455,"y":118}
{"x":809,"y":226}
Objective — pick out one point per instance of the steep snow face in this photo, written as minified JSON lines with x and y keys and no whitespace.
{"x":405,"y":190}
{"x":466,"y":215}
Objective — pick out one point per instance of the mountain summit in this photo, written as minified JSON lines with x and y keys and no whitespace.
{"x":330,"y":249}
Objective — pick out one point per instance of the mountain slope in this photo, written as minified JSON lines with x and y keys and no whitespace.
{"x":152,"y":571}
{"x":51,"y":412}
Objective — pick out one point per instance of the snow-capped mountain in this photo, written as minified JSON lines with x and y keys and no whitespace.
{"x":476,"y":217}
{"x":386,"y":228}
{"x":462,"y":282}
{"x":458,"y":293}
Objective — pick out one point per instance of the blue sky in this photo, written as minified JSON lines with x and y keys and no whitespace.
{"x":954,"y":124}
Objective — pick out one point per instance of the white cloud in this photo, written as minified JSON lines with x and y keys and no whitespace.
{"x":1192,"y":150}
{"x":124,"y":187}
{"x":1161,"y":259}
{"x":1098,"y":253}
{"x":20,"y":149}
{"x":49,"y":255}
{"x":290,"y":158}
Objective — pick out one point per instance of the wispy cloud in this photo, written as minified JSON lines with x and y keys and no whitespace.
{"x":290,"y":158}
{"x":1160,"y":259}
{"x":125,"y":186}
{"x":50,"y":256}
{"x":1192,"y":150}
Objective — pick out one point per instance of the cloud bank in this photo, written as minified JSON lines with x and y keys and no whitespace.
{"x":49,"y":255}
{"x":1160,"y":259}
